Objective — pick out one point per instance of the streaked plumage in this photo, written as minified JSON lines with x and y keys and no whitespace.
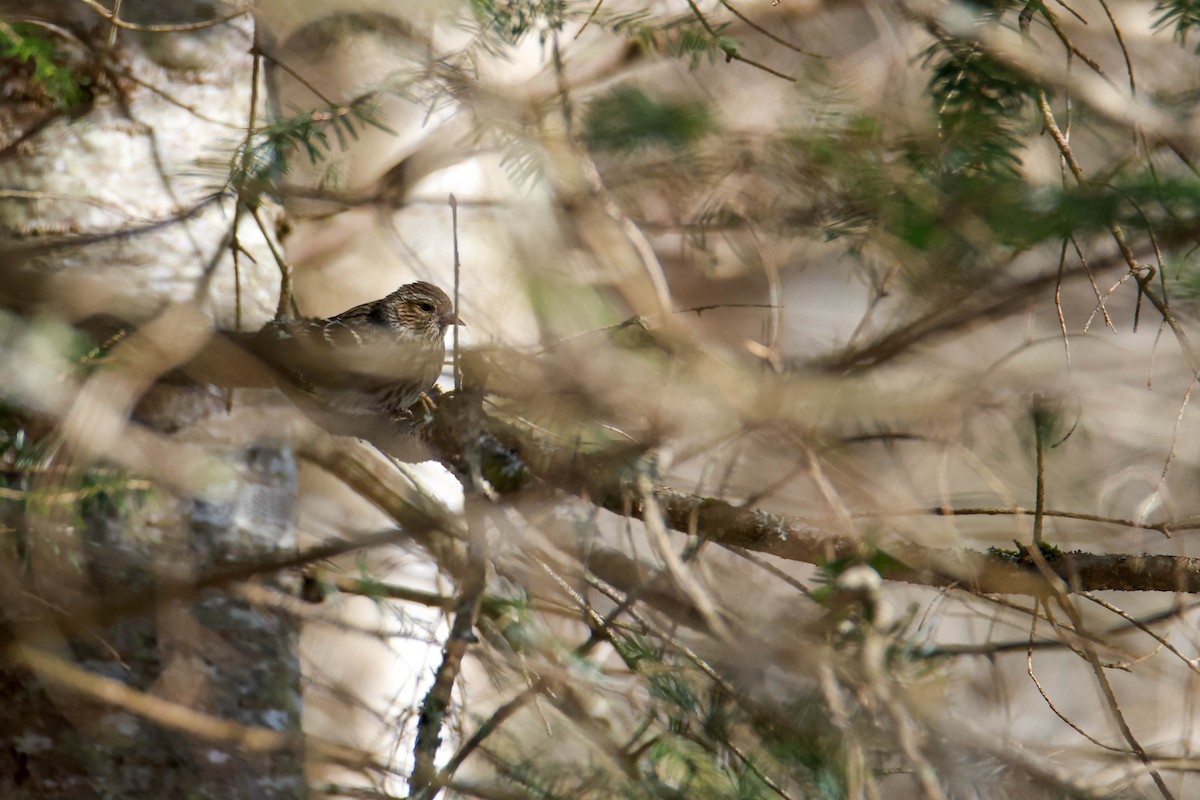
{"x":374,"y":360}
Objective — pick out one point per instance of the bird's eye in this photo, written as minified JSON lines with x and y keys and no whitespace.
{"x":426,"y":306}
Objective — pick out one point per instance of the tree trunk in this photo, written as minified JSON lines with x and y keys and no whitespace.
{"x":114,"y":210}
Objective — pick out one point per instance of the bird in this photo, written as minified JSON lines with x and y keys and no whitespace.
{"x":369,"y":363}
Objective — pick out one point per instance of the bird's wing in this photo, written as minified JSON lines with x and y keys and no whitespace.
{"x":343,"y":351}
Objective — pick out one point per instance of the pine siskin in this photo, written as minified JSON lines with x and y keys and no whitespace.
{"x":370,"y":362}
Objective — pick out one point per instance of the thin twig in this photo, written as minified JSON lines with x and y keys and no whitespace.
{"x":1118,"y":234}
{"x":1121,"y":44}
{"x":767,"y":33}
{"x":1190,"y":663}
{"x":771,"y":568}
{"x":731,"y":54}
{"x":1059,"y":590}
{"x":1162,"y":527}
{"x":257,"y":50}
{"x":1101,"y":306}
{"x":472,"y":585}
{"x":462,"y":635}
{"x":1042,"y":691}
{"x":457,"y":302}
{"x":591,"y":16}
{"x":991,"y":649}
{"x":1151,"y":501}
{"x":113,"y":19}
{"x":1067,"y":43}
{"x":234,"y":245}
{"x":1039,"y":415}
{"x":1062,"y":320}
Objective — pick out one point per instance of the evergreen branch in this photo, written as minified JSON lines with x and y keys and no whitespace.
{"x":1182,"y":15}
{"x":60,"y":84}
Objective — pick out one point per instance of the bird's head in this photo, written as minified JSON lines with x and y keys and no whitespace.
{"x":423,"y":309}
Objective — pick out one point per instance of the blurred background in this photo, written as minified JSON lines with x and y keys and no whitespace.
{"x":832,"y":366}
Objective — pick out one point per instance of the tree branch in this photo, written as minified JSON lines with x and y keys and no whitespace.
{"x":603,"y":479}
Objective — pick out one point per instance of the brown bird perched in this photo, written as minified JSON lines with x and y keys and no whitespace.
{"x":370,"y":362}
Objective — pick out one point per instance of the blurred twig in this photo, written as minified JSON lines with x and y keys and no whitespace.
{"x":174,"y":716}
{"x":114,"y":20}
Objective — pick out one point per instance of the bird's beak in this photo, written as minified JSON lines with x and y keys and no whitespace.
{"x":452,"y":319}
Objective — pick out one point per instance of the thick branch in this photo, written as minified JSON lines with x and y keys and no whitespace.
{"x":791,"y":539}
{"x":519,"y":455}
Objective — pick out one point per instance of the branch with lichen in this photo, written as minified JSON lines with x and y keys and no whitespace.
{"x":526,"y":460}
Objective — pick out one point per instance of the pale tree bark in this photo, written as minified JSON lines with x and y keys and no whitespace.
{"x":112,"y":207}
